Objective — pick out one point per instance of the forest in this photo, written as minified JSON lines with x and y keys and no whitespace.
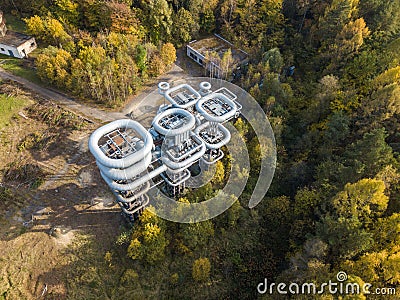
{"x":334,"y":203}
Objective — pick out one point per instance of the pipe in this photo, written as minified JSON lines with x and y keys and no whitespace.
{"x":214,"y":118}
{"x":187,"y":162}
{"x":219,"y":157}
{"x":141,"y":206}
{"x":129,"y":172}
{"x":197,"y":96}
{"x":173,"y":132}
{"x":227,"y":136}
{"x":129,"y":160}
{"x":163,"y":87}
{"x":122,"y":199}
{"x":135,"y":184}
{"x":182,"y":180}
{"x":199,"y":143}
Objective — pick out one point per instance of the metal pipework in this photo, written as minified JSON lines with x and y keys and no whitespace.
{"x":163,"y":87}
{"x":135,"y":184}
{"x":205,"y":88}
{"x":130,"y":172}
{"x":196,"y":95}
{"x":142,"y":192}
{"x":126,"y":161}
{"x":141,"y":205}
{"x":189,"y":118}
{"x":221,"y":128}
{"x":189,"y":130}
{"x":214,"y":118}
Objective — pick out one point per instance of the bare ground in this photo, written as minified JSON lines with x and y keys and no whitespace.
{"x":38,"y":226}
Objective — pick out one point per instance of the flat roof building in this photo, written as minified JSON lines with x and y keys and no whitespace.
{"x":15,"y":44}
{"x":209,"y":53}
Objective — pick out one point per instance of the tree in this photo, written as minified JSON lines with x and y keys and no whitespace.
{"x":123,"y":19}
{"x":346,"y":237}
{"x":54,"y":66}
{"x":226,"y":64}
{"x":168,"y":54}
{"x":159,"y":20}
{"x":336,"y":15}
{"x":49,"y":30}
{"x":207,"y":21}
{"x":67,"y":11}
{"x":197,"y":234}
{"x":35,"y":26}
{"x":352,"y":36}
{"x":372,"y":152}
{"x":141,"y":58}
{"x":184,"y":27}
{"x":201,"y":269}
{"x":148,"y":240}
{"x":219,"y":176}
{"x":381,"y":16}
{"x":274,"y":60}
{"x":156,"y":66}
{"x":260,"y":23}
{"x":364,"y":200}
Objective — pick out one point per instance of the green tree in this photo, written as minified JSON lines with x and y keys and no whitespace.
{"x":148,"y":240}
{"x":382,"y":16}
{"x":141,"y":58}
{"x":346,"y":237}
{"x":197,"y":234}
{"x":274,"y":60}
{"x":158,"y":20}
{"x":67,"y":11}
{"x":201,"y":269}
{"x":184,"y":27}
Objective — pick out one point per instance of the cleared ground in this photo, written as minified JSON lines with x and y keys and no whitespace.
{"x":52,"y":199}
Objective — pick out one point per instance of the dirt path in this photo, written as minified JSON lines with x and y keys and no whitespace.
{"x":91,"y":113}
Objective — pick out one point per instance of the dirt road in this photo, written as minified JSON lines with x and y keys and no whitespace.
{"x":92,"y":113}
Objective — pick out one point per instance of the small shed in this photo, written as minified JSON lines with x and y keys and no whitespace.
{"x":13,"y":43}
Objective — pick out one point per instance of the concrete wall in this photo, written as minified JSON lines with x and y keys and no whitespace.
{"x":19,"y":52}
{"x":196,"y":56}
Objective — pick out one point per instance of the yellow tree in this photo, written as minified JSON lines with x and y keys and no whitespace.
{"x":364,"y":199}
{"x":352,"y":36}
{"x":168,"y":54}
{"x":54,"y":65}
{"x":201,"y":269}
{"x":148,"y":240}
{"x":35,"y":26}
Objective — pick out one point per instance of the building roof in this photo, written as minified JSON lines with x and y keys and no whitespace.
{"x":219,"y":45}
{"x":14,"y":39}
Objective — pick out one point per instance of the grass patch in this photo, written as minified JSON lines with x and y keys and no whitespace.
{"x":9,"y":106}
{"x":15,"y":24}
{"x":16,"y":67}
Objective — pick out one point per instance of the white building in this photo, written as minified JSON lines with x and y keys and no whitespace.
{"x":209,"y":52}
{"x":15,"y":44}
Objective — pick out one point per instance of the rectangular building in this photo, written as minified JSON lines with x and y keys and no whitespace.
{"x":15,"y":44}
{"x":209,"y":52}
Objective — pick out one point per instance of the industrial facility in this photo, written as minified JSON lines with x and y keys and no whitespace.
{"x":186,"y":132}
